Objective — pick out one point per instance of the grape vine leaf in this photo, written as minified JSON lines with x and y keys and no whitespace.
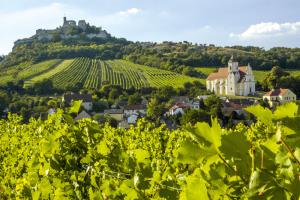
{"x":287,"y":110}
{"x":142,"y":156}
{"x":76,"y":105}
{"x":262,"y":114}
{"x":195,"y":188}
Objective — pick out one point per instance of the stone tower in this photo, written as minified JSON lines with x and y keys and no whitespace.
{"x":233,"y":65}
{"x":233,"y":76}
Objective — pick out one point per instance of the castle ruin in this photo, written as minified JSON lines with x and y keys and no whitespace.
{"x":63,"y":32}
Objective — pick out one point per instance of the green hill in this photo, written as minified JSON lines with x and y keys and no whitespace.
{"x":93,"y":73}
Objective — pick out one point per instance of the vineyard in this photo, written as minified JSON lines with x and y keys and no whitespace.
{"x":60,"y":159}
{"x":26,"y":71}
{"x":93,"y":73}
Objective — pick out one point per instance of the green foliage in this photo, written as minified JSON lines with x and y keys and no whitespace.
{"x":193,"y":116}
{"x":60,"y":159}
{"x":249,"y":163}
{"x":4,"y":100}
{"x":76,"y":105}
{"x":272,"y":78}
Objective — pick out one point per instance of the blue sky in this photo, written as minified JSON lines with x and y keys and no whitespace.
{"x":264,"y":23}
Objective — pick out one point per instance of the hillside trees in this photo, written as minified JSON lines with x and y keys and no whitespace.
{"x":271,"y":81}
{"x":167,"y":55}
{"x":278,"y":78}
{"x":4,"y":101}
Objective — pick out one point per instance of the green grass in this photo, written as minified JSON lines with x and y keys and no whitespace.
{"x":260,"y":75}
{"x":93,"y":73}
{"x":207,"y":70}
{"x":294,"y":72}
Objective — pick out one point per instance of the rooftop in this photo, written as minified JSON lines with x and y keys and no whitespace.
{"x":135,"y":107}
{"x":223,"y":73}
{"x":113,"y":111}
{"x":277,"y":92}
{"x":76,"y":97}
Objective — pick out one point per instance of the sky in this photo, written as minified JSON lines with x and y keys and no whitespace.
{"x":263,"y":23}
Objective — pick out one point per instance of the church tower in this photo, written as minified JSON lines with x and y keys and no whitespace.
{"x":233,"y":76}
{"x":233,"y":65}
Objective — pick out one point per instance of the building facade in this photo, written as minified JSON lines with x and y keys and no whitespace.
{"x":232,"y":80}
{"x":279,"y":96}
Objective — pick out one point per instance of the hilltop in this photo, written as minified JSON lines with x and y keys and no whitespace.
{"x":69,"y":30}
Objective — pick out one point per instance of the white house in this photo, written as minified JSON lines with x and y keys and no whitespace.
{"x":232,"y":80}
{"x":279,"y":96}
{"x":135,"y":109}
{"x":87,"y":100}
{"x":178,"y":108}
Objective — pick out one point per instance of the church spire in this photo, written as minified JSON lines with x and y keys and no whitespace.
{"x":232,"y":59}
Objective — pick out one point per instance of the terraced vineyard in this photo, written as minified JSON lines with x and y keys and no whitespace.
{"x":93,"y":73}
{"x":26,"y":71}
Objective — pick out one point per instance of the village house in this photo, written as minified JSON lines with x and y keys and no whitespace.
{"x":117,"y":114}
{"x":180,"y":99}
{"x":138,"y":109}
{"x":279,"y":96}
{"x":83,"y":115}
{"x":230,"y":106}
{"x":189,"y":102}
{"x":87,"y":100}
{"x":232,"y":80}
{"x":178,"y":108}
{"x":181,"y":103}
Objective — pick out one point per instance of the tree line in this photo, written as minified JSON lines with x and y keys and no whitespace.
{"x":180,"y":57}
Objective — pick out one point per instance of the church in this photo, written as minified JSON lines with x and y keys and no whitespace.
{"x":232,"y":80}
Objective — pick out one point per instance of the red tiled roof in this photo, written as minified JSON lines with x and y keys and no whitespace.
{"x":277,"y":92}
{"x":223,"y":73}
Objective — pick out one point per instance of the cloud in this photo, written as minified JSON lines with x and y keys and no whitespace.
{"x":130,"y":11}
{"x":269,"y":29}
{"x":23,"y":23}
